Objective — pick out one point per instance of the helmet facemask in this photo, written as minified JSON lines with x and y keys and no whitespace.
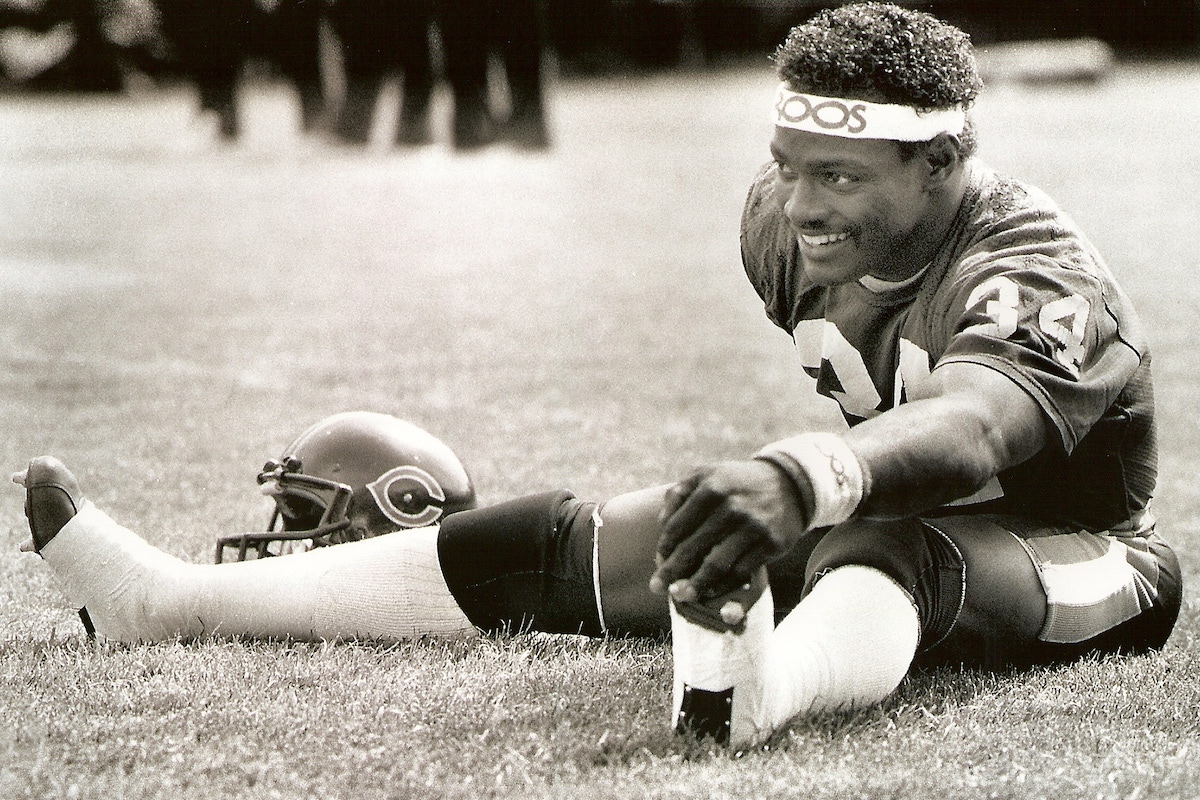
{"x":307,"y":509}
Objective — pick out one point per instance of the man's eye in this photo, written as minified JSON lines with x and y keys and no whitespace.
{"x":786,"y":172}
{"x":838,"y":180}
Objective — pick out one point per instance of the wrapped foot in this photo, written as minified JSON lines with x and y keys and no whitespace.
{"x":52,"y":498}
{"x":719,"y":649}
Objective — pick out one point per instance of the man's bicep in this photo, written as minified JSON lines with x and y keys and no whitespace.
{"x":1016,"y":426}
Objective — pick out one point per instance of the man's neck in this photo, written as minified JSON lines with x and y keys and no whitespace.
{"x":944,"y":207}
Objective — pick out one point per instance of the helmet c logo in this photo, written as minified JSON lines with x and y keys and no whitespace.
{"x":422,"y":497}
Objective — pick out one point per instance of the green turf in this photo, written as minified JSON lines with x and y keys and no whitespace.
{"x":173,"y":314}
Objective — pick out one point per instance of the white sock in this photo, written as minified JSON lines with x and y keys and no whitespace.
{"x":390,"y":587}
{"x":724,"y":668}
{"x":848,"y":644}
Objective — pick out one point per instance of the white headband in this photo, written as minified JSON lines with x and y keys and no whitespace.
{"x":858,"y":119}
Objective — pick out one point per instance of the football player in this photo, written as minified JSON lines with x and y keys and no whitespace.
{"x":988,"y":504}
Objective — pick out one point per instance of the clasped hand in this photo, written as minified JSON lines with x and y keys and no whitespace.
{"x":721,"y":524}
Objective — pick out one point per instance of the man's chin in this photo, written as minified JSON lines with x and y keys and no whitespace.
{"x":830,"y":275}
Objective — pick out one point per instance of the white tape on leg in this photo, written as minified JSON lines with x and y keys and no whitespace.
{"x":718,"y":676}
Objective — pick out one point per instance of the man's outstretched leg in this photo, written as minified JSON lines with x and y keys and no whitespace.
{"x":389,"y":588}
{"x":536,"y":563}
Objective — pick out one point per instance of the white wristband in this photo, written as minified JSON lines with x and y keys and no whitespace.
{"x":833,"y":470}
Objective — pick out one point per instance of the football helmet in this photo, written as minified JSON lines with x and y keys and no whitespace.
{"x":352,"y":476}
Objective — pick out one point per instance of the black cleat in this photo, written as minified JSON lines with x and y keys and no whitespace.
{"x":704,"y":713}
{"x":52,"y":498}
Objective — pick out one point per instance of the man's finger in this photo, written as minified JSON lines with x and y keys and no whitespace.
{"x":731,"y":564}
{"x":676,"y":496}
{"x":691,"y":553}
{"x":687,"y":519}
{"x":687,"y":556}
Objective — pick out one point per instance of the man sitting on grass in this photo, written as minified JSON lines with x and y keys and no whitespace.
{"x":988,"y":505}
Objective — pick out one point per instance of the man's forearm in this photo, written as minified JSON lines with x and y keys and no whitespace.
{"x":919,"y":455}
{"x":974,"y":423}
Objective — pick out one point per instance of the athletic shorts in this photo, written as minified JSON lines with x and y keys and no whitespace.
{"x":996,"y":590}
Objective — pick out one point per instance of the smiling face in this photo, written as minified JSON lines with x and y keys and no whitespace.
{"x":857,"y":207}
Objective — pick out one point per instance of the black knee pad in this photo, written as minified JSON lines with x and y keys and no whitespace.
{"x":924,"y":562}
{"x":523,"y":565}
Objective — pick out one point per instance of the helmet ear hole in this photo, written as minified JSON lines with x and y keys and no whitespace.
{"x":409,"y":497}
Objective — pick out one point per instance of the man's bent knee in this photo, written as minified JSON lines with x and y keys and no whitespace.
{"x":627,"y":531}
{"x":525,"y":564}
{"x":920,"y":560}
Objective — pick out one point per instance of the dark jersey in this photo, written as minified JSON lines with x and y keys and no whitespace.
{"x":1015,"y":287}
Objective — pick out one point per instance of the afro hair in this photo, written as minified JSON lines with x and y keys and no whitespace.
{"x":881,"y":53}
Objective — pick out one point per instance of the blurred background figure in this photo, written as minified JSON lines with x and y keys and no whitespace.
{"x":210,"y":42}
{"x":339,"y":55}
{"x":74,"y":45}
{"x":289,"y":35}
{"x":378,"y":38}
{"x":472,"y":32}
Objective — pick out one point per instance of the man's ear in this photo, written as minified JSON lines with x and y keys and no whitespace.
{"x":942,"y":155}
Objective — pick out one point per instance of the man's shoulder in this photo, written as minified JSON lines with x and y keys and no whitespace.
{"x":770,"y":254}
{"x":761,"y":219}
{"x":1004,"y":213}
{"x":1009,"y":225}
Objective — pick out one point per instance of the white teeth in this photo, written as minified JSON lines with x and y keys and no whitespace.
{"x":830,"y":238}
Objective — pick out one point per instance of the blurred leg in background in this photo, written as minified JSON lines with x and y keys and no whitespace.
{"x":378,"y":38}
{"x":416,"y":61}
{"x":292,"y":31}
{"x":365,"y":61}
{"x":211,"y":42}
{"x":474,"y":30}
{"x":463,"y":25}
{"x":517,"y":31}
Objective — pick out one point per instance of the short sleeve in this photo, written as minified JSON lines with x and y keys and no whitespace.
{"x":1050,"y":328}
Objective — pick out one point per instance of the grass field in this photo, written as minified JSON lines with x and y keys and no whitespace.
{"x":170,"y":315}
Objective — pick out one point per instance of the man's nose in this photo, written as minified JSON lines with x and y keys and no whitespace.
{"x":802,"y":205}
